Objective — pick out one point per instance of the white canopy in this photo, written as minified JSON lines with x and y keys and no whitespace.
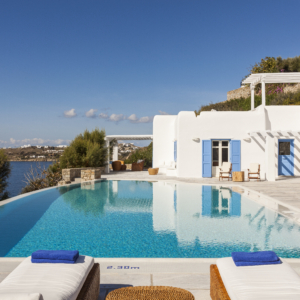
{"x":129,"y":137}
{"x":291,"y":77}
{"x":263,"y":78}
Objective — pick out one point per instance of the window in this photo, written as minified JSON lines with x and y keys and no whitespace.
{"x":225,"y":144}
{"x":220,"y":151}
{"x":215,"y":157}
{"x":284,"y":148}
{"x":224,"y":154}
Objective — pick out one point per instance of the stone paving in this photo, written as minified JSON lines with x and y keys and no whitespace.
{"x":189,"y":274}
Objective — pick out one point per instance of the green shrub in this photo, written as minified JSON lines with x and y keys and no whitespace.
{"x":275,"y":65}
{"x":86,"y":150}
{"x":4,"y":174}
{"x":144,"y":154}
{"x":244,"y":104}
{"x":41,"y":178}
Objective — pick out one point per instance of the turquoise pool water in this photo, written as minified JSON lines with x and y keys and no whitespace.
{"x":144,"y":219}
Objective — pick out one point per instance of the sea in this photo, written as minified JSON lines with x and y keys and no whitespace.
{"x":19,"y":169}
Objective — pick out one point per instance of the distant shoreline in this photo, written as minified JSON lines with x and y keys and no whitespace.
{"x":37,"y":160}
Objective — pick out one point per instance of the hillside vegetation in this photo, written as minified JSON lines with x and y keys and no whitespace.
{"x":274,"y":92}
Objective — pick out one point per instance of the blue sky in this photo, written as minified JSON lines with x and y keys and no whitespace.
{"x":67,"y":66}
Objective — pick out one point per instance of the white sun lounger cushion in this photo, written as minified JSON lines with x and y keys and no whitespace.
{"x":267,"y":282}
{"x":52,"y":281}
{"x":18,"y":296}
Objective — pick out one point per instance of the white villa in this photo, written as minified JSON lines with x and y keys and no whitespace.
{"x":186,"y":145}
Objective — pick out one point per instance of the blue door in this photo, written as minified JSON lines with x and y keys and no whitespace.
{"x":235,"y":155}
{"x":286,"y":157}
{"x":206,"y":158}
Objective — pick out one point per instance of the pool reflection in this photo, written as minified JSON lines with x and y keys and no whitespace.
{"x":149,"y":219}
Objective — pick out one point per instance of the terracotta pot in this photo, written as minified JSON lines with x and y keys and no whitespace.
{"x":116,"y":165}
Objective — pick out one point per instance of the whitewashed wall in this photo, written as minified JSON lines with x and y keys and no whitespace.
{"x":285,"y":118}
{"x":217,"y":125}
{"x":222,"y":125}
{"x":163,"y":139}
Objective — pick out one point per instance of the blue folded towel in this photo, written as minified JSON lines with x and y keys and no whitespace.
{"x":256,"y":263}
{"x":55,"y":256}
{"x":255,"y":258}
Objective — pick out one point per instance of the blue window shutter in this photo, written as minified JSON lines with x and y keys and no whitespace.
{"x":206,"y":158}
{"x":235,"y":205}
{"x":175,"y":151}
{"x":206,"y":200}
{"x":235,"y":155}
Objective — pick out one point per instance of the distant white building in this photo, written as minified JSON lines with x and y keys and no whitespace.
{"x":26,"y":146}
{"x":32,"y":156}
{"x":41,"y":156}
{"x":62,"y":146}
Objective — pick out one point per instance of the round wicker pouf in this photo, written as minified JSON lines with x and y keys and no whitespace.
{"x":150,"y":293}
{"x":153,"y":171}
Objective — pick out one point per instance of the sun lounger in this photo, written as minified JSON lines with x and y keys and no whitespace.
{"x":79,"y":281}
{"x":276,"y":282}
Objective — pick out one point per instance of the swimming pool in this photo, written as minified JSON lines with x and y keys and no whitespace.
{"x":144,"y":219}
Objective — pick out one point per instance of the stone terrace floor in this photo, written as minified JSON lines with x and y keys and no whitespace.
{"x":190,"y":274}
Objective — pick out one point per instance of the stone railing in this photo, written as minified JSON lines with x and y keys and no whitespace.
{"x":84,"y":174}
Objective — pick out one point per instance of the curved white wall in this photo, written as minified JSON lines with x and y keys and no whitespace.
{"x":163,"y":139}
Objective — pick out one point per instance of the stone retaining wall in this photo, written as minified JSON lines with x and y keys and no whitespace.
{"x":245,"y":92}
{"x":90,"y":174}
{"x":69,"y":175}
{"x":242,"y":92}
{"x":292,"y":89}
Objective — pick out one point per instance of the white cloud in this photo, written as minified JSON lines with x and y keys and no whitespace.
{"x":70,"y":113}
{"x":103,"y":116}
{"x":133,"y":118}
{"x":145,"y":120}
{"x":91,"y":113}
{"x":120,"y":117}
{"x":112,"y":117}
{"x":116,"y":118}
{"x":163,"y":112}
{"x":33,"y":142}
